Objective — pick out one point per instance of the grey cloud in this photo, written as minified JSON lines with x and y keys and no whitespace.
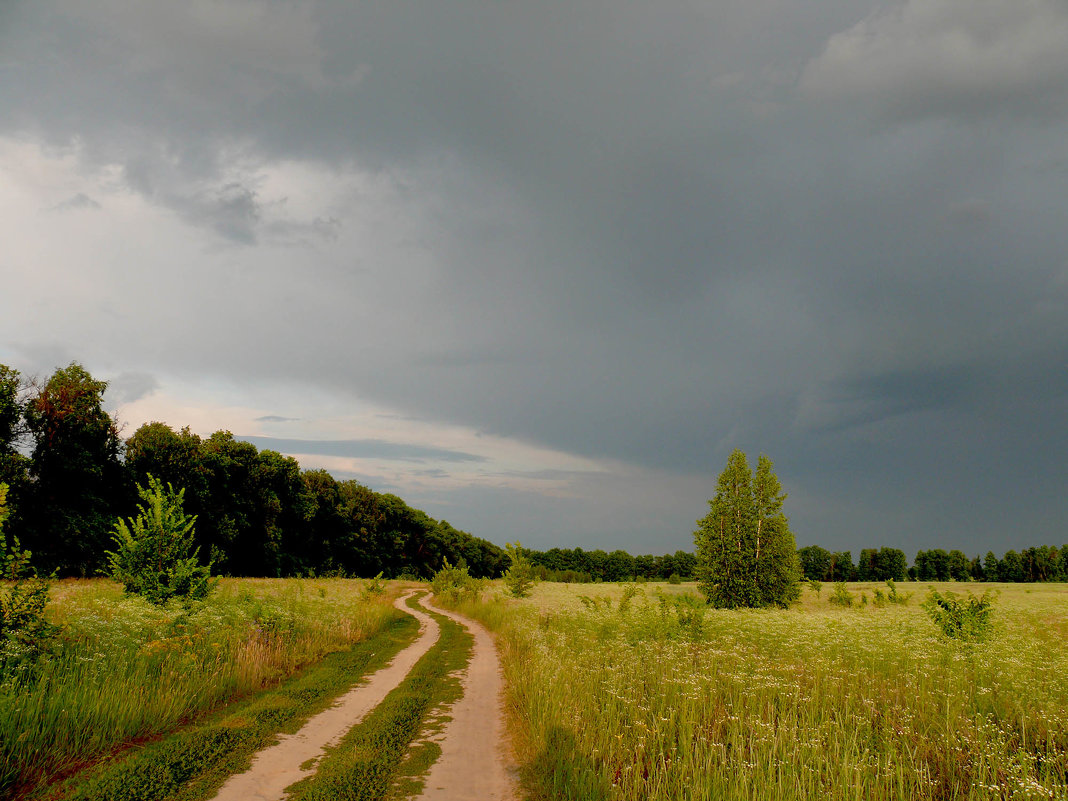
{"x":645,"y":231}
{"x":130,"y":387}
{"x":950,"y":58}
{"x":275,"y":418}
{"x":363,"y":449}
{"x":76,"y":202}
{"x":232,"y":211}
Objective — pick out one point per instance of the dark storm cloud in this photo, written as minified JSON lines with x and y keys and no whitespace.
{"x":833,"y":232}
{"x":362,"y":449}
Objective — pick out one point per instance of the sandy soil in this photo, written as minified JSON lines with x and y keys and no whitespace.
{"x":277,"y":767}
{"x":476,"y":761}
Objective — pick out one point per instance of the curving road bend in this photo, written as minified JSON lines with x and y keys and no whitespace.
{"x":277,"y":767}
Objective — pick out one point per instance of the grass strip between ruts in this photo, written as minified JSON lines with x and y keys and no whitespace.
{"x":365,"y":764}
{"x":192,"y":763}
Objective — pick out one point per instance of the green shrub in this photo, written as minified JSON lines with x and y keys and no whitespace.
{"x":519,"y":577}
{"x":896,"y":597}
{"x":630,"y":592}
{"x":816,"y":587}
{"x":454,"y":584}
{"x":674,"y":578}
{"x":966,"y":619}
{"x":842,"y":596}
{"x":154,"y":555}
{"x":24,"y":632}
{"x":374,"y":586}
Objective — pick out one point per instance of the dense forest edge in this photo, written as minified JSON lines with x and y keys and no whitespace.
{"x":71,"y":476}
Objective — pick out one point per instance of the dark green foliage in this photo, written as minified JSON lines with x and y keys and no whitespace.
{"x":1011,"y":568}
{"x":12,"y":428}
{"x":882,"y":565}
{"x":935,"y":565}
{"x":77,"y":478}
{"x":959,"y":566}
{"x":815,"y":562}
{"x":966,"y":619}
{"x":258,"y":514}
{"x":171,"y":767}
{"x":746,"y":555}
{"x":154,"y":554}
{"x":575,"y":565}
{"x":991,"y":567}
{"x":842,"y":568}
{"x":24,"y":632}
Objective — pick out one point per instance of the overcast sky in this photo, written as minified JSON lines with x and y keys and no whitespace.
{"x":538,"y":266}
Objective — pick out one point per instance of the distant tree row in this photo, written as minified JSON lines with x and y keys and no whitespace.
{"x":881,"y":564}
{"x":1042,"y":563}
{"x":577,"y":565}
{"x":258,"y":513}
{"x":71,"y":476}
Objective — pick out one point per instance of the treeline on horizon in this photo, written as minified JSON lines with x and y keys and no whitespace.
{"x":258,"y":513}
{"x":1040,"y":563}
{"x":71,"y":476}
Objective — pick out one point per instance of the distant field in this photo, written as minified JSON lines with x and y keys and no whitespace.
{"x":640,"y":692}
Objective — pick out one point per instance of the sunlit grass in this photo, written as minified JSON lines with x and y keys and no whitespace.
{"x":123,"y":669}
{"x":670,"y":700}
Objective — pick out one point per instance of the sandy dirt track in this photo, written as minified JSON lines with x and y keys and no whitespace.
{"x":475,"y":761}
{"x":277,"y":767}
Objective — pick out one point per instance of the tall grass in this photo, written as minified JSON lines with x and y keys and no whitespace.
{"x":124,"y":669}
{"x":635,"y":694}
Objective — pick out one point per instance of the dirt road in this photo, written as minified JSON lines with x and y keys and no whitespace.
{"x":475,"y":760}
{"x":279,"y":766}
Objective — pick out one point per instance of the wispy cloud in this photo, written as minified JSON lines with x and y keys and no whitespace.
{"x":363,"y":449}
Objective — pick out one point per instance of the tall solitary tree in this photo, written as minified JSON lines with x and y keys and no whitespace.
{"x":746,"y":553}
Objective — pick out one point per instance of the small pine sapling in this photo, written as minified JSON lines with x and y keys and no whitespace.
{"x":519,"y":578}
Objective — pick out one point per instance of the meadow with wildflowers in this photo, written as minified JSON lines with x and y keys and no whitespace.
{"x":122,"y":670}
{"x":642,"y":692}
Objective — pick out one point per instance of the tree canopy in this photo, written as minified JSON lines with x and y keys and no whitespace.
{"x":746,"y":554}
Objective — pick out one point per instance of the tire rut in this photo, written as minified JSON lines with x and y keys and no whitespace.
{"x":294,"y":756}
{"x":475,"y":761}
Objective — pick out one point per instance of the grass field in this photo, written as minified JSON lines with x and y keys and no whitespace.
{"x":640,"y":692}
{"x":616,"y":691}
{"x":123,"y":670}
